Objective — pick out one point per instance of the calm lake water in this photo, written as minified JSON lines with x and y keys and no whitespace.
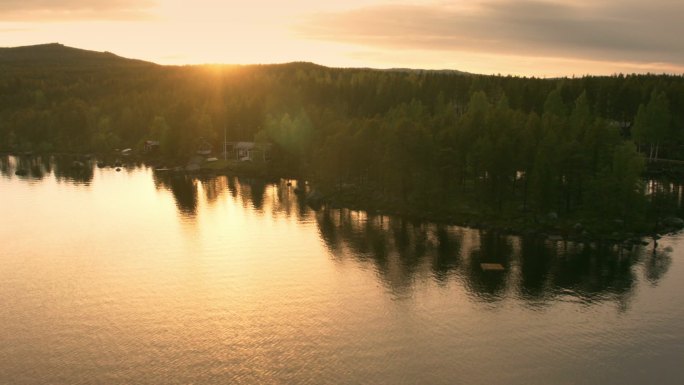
{"x":131,"y":278}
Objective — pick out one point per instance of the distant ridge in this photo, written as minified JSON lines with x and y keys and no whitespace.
{"x":59,"y":55}
{"x":424,"y":71}
{"x":55,"y":54}
{"x":309,"y":65}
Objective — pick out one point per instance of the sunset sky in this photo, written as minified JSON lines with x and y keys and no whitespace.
{"x":529,"y":37}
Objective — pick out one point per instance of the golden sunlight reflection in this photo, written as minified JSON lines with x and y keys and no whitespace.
{"x":224,"y":279}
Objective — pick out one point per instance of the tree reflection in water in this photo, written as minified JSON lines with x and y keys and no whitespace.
{"x":536,"y":270}
{"x":657,"y":263}
{"x":67,"y":168}
{"x":184,"y":190}
{"x":402,"y":252}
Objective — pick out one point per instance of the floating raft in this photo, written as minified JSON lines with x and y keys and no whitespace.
{"x":492,"y":267}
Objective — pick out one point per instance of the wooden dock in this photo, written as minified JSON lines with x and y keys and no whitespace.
{"x":492,"y":267}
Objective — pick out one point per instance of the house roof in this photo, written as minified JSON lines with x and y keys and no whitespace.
{"x":243,"y":145}
{"x":251,"y":146}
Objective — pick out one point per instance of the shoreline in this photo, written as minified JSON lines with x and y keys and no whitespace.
{"x":520,"y":223}
{"x":526,"y":224}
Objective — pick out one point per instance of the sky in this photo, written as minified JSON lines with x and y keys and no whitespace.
{"x":542,"y":38}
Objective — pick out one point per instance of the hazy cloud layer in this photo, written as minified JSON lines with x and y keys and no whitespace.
{"x":611,"y":30}
{"x":50,"y":10}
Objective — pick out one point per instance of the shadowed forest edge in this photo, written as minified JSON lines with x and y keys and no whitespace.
{"x":563,"y":155}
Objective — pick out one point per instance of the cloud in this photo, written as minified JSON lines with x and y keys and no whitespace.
{"x":57,"y":10}
{"x":13,"y":30}
{"x":603,"y":30}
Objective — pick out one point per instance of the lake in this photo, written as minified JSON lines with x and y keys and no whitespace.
{"x":129,"y":277}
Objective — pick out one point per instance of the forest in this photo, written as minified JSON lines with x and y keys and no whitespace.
{"x":412,"y":140}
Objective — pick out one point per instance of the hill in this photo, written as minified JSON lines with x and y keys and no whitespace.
{"x":58,"y":55}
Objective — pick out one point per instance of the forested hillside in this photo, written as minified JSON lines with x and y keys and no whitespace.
{"x":429,"y":139}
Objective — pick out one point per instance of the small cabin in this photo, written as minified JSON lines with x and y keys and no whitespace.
{"x":151,"y":145}
{"x":248,"y":151}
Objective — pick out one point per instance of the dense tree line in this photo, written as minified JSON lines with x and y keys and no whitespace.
{"x":429,"y":139}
